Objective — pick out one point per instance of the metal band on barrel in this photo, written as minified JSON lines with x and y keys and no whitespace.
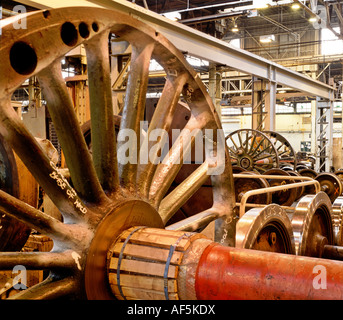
{"x":166,"y":269}
{"x":121,"y":257}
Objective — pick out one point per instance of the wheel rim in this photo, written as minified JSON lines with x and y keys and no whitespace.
{"x":312,"y":224}
{"x":252,"y":150}
{"x":266,"y":229}
{"x":330,"y":184}
{"x":108,"y":191}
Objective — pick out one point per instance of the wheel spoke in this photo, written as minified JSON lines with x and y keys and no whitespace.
{"x":263,"y":157}
{"x":172,"y":163}
{"x":234,"y":143}
{"x":252,"y":144}
{"x":240,"y":139}
{"x":179,"y":196}
{"x":233,"y":153}
{"x":162,"y":119}
{"x":258,"y":145}
{"x":283,"y":152}
{"x":74,"y":147}
{"x":37,"y":220}
{"x":260,"y":152}
{"x":197,"y":221}
{"x":37,"y":260}
{"x":223,"y":188}
{"x":29,"y":151}
{"x":280,"y":146}
{"x":246,"y":147}
{"x":48,"y":289}
{"x":102,"y":124}
{"x":133,"y":112}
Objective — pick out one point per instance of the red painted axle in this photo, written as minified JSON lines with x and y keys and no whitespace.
{"x":230,"y":273}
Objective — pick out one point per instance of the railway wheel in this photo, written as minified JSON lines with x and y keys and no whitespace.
{"x":311,"y":174}
{"x":330,"y":184}
{"x":312,"y":225}
{"x":300,"y":190}
{"x":284,"y":197}
{"x":112,"y":192}
{"x":252,"y":150}
{"x":243,"y":185}
{"x":265,"y":229}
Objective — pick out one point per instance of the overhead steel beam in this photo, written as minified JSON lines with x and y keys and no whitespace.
{"x":204,"y":46}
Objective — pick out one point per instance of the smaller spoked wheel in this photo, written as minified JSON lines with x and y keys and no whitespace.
{"x":252,"y":150}
{"x":265,"y":229}
{"x":285,"y":150}
{"x":312,"y":225}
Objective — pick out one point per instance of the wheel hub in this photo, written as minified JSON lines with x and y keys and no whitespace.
{"x":127,"y":214}
{"x":246,"y":163}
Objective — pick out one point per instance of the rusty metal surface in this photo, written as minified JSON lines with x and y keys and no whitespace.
{"x":226,"y":273}
{"x":243,"y":185}
{"x":283,"y":197}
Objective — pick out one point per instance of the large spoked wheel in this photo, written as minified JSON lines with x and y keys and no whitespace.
{"x":252,"y":150}
{"x":113,"y":191}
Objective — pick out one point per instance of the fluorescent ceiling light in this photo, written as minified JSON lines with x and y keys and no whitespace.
{"x":295,"y":6}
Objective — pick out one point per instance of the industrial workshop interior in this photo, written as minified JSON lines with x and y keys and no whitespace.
{"x":171,"y":150}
